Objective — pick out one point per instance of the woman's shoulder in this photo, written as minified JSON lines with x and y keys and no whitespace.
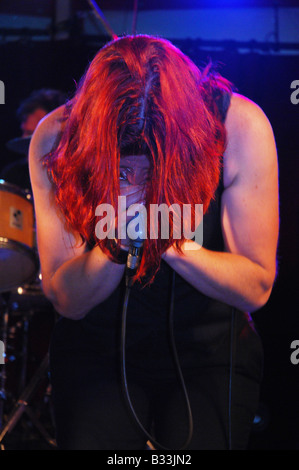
{"x":249,"y":138}
{"x":242,"y":111}
{"x":246,"y":122}
{"x":44,"y":140}
{"x":48,"y":132}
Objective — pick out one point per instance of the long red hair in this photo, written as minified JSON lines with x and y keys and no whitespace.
{"x":140,"y":95}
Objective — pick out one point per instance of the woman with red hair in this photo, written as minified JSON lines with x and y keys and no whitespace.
{"x":147,"y":124}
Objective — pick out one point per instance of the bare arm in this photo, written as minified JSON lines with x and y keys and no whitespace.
{"x":75,"y":279}
{"x":242,"y":276}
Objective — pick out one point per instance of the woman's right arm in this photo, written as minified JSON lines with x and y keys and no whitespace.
{"x":74,"y":278}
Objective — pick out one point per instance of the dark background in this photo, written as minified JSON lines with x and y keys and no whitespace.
{"x":263,"y":77}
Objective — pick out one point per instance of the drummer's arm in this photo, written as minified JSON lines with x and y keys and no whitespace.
{"x":74,"y":278}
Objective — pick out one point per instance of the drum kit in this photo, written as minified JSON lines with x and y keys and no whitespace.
{"x":27,"y":318}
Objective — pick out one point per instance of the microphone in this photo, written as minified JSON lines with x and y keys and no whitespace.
{"x":136,"y":246}
{"x":133,"y":260}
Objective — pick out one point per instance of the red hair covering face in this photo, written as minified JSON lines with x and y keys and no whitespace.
{"x":140,"y":95}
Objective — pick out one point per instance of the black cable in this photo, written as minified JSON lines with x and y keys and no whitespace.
{"x":176,"y":361}
{"x":99,"y":14}
{"x":135,"y":12}
{"x":231,"y":370}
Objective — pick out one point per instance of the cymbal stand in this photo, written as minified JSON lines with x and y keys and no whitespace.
{"x":24,"y":351}
{"x":21,"y":406}
{"x":2,"y":367}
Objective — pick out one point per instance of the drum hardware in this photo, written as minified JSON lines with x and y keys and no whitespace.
{"x":18,"y":252}
{"x":4,"y":325}
{"x":24,"y":350}
{"x":22,"y":406}
{"x":16,"y":354}
{"x":22,"y":299}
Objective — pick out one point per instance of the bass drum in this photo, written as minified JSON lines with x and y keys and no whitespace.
{"x":18,"y":254}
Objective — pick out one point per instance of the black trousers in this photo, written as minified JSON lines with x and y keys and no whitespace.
{"x":91,"y":411}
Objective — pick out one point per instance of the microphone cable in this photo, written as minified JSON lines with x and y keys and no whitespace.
{"x":157,"y":445}
{"x":130,"y":271}
{"x":231,"y":373}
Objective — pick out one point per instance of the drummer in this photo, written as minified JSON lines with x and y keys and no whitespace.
{"x":29,"y":113}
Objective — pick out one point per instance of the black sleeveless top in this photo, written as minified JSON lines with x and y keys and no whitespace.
{"x":202,"y":325}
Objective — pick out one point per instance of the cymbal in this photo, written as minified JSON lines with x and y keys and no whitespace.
{"x":19,"y":145}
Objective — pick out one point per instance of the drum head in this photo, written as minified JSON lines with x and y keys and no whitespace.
{"x":18,"y":265}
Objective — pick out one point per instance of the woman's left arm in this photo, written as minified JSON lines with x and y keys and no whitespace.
{"x":244,"y":274}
